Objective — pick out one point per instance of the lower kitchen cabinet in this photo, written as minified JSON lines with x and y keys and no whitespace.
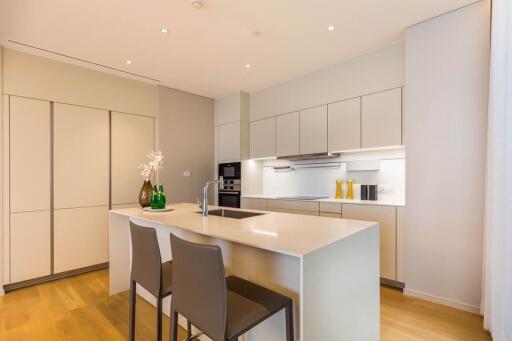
{"x":330,"y":215}
{"x":80,"y":237}
{"x":386,"y":216}
{"x":30,"y":245}
{"x":253,"y":204}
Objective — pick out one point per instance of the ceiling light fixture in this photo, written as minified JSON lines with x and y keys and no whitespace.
{"x":197,"y":4}
{"x":164,"y":30}
{"x":247,"y":66}
{"x":330,"y":28}
{"x":128,"y":62}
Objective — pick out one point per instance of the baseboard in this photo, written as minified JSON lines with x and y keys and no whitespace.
{"x":30,"y":282}
{"x":392,"y":283}
{"x":444,"y":301}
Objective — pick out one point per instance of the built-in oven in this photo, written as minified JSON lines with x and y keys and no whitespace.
{"x":229,"y":194}
{"x":230,"y":171}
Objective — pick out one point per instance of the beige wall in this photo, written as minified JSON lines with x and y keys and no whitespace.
{"x":446,"y":95}
{"x":1,"y":174}
{"x":186,"y":137}
{"x":42,"y":78}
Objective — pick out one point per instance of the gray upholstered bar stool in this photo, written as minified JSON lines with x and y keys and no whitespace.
{"x":222,"y":308}
{"x":149,"y":272}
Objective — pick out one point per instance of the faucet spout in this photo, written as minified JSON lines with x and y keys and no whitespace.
{"x":205,"y":193}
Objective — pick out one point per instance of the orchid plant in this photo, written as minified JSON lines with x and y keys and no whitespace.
{"x":156,"y":162}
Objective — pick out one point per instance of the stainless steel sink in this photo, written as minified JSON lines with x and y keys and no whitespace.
{"x":233,"y":214}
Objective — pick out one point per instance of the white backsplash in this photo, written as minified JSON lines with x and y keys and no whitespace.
{"x":322,"y":181}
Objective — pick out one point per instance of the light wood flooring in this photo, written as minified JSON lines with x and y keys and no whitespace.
{"x":79,"y":308}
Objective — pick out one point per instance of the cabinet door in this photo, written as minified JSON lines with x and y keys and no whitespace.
{"x":330,"y":215}
{"x":133,"y":137}
{"x":30,"y":246}
{"x":263,"y":138}
{"x":382,"y":119}
{"x":386,"y":216}
{"x":81,"y":156}
{"x":400,"y":244}
{"x":229,"y":142}
{"x":80,"y":237}
{"x":29,"y":154}
{"x":313,"y":130}
{"x":344,"y":125}
{"x":253,"y":203}
{"x":288,"y":134}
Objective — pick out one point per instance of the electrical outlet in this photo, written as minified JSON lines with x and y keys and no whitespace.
{"x":186,"y":173}
{"x":386,"y":189}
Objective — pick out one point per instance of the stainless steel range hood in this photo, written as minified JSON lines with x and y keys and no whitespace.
{"x":315,"y":156}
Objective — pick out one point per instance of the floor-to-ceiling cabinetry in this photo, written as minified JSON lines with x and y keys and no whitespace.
{"x":68,"y":165}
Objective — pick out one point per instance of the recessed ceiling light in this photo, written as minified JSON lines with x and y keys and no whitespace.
{"x":247,"y":66}
{"x":330,"y":28}
{"x":164,"y":30}
{"x":128,"y":62}
{"x":197,"y":4}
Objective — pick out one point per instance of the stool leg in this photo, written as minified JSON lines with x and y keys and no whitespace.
{"x":189,"y":330}
{"x":159,"y":319}
{"x":289,"y":322}
{"x":173,"y":332}
{"x":133,"y":300}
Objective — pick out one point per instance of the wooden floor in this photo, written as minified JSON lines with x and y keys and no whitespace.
{"x":79,"y":308}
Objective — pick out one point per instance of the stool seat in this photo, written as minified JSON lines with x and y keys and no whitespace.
{"x":167,"y":278}
{"x":248,"y":304}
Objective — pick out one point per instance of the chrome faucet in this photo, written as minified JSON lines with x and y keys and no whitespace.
{"x":204,"y":206}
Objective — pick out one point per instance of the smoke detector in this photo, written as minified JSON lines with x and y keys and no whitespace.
{"x":197,"y":4}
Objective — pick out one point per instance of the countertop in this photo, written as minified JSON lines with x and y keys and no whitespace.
{"x":331,"y":200}
{"x":290,"y":234}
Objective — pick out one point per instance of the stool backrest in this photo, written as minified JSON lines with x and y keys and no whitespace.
{"x":199,"y":286}
{"x":146,"y":260}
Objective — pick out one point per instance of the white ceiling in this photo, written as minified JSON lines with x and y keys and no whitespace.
{"x":205,"y":51}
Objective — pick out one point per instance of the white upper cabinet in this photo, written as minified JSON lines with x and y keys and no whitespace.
{"x":288,"y":134}
{"x":133,"y":137}
{"x":29,"y":154}
{"x":382,"y":119}
{"x":81,"y":156}
{"x":344,"y":125}
{"x":229,"y":142}
{"x":263,"y":138}
{"x":313,"y":130}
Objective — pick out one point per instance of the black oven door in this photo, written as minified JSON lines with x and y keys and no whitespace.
{"x":230,"y":171}
{"x":229,"y":199}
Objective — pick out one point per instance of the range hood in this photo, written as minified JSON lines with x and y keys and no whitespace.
{"x":315,"y":156}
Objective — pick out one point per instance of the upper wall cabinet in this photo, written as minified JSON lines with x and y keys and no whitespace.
{"x":133,"y":137}
{"x":29,"y":154}
{"x":288,"y":134}
{"x":263,"y":138}
{"x":229,"y":142}
{"x":382,"y":119}
{"x":313,"y":130}
{"x":344,"y":125}
{"x":81,"y":156}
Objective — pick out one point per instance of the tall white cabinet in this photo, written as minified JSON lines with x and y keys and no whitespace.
{"x":81,"y":186}
{"x":29,"y":170}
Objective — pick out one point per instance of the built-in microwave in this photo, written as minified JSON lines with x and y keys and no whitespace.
{"x":230,"y":171}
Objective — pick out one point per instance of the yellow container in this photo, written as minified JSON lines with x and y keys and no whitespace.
{"x":339,"y":189}
{"x":350,"y":189}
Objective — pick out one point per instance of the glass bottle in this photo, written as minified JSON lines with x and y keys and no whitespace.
{"x":161,"y":197}
{"x":154,"y":198}
{"x":350,"y":189}
{"x":339,"y":189}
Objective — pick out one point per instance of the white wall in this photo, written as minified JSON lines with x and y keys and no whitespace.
{"x":1,"y":174}
{"x":446,"y":92}
{"x":376,"y":71}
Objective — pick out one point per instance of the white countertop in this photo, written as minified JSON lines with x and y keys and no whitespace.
{"x":331,"y":200}
{"x":290,"y":234}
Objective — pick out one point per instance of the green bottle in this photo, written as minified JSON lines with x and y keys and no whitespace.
{"x":161,"y":197}
{"x":154,"y":198}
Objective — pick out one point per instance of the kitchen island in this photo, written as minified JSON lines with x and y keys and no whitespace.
{"x":329,"y":267}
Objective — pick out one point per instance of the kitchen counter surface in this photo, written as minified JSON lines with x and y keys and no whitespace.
{"x":290,"y":234}
{"x":331,"y":200}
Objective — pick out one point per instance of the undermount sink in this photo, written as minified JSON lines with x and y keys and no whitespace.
{"x":233,"y":214}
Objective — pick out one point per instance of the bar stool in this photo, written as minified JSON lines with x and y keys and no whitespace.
{"x":222,"y":308}
{"x":149,"y":272}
